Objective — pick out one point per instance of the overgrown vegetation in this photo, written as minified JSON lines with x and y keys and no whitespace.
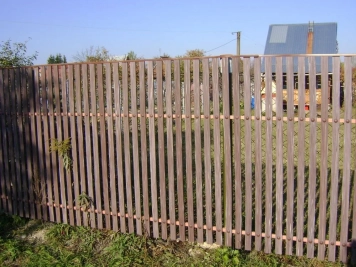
{"x":63,"y":148}
{"x":33,"y":243}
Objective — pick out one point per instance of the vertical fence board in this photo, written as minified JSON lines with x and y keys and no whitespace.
{"x":279,"y":157}
{"x":312,"y":159}
{"x":269,"y":182}
{"x":217,"y":153}
{"x":188,"y":150}
{"x":207,"y":154}
{"x":111,"y":146}
{"x":161,"y":151}
{"x":324,"y":158}
{"x":88,"y":145}
{"x":3,"y":153}
{"x":128,"y":177}
{"x":248,"y":152}
{"x":290,"y":156}
{"x":96,"y":157}
{"x":119,"y":156}
{"x":170,"y":152}
{"x":198,"y":154}
{"x":152,"y":141}
{"x":136,"y":162}
{"x":345,"y":191}
{"x":143,"y":152}
{"x":179,"y":148}
{"x":103,"y":146}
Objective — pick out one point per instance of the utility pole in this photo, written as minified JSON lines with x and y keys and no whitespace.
{"x":238,"y":42}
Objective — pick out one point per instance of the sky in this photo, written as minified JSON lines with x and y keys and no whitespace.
{"x":153,"y":27}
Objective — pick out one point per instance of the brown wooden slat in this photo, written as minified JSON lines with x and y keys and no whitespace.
{"x":324,"y":158}
{"x":269,"y":182}
{"x":103,"y":148}
{"x":161,"y":150}
{"x":290,"y":157}
{"x":301,"y":156}
{"x":143,"y":154}
{"x":135,"y":152}
{"x":312,"y":158}
{"x":119,"y":156}
{"x":179,"y":148}
{"x":248,"y":153}
{"x":188,"y":150}
{"x":126,"y":111}
{"x":30,"y":140}
{"x":88,"y":143}
{"x":237,"y":150}
{"x":217,"y":153}
{"x":258,"y":156}
{"x":279,"y":157}
{"x":96,"y":157}
{"x":3,"y":152}
{"x":152,"y":143}
{"x":335,"y":158}
{"x":46,"y":138}
{"x":345,"y":191}
{"x":66,"y":83}
{"x":207,"y":154}
{"x":79,"y":89}
{"x":111,"y":146}
{"x":170,"y":152}
{"x":198,"y":154}
{"x":73,"y":139}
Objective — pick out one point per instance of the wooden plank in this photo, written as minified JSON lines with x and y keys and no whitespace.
{"x":301,"y":156}
{"x":119,"y":156}
{"x":135,"y":152}
{"x":188,"y":150}
{"x":88,"y":143}
{"x":279,"y":158}
{"x":179,"y":148}
{"x":79,"y":89}
{"x":269,"y":182}
{"x":143,"y":152}
{"x":73,"y":139}
{"x":66,"y":83}
{"x":248,"y":153}
{"x":125,"y":97}
{"x":290,"y":157}
{"x":198,"y":148}
{"x":96,"y":156}
{"x":111,"y":146}
{"x":152,"y":143}
{"x":103,"y":148}
{"x":312,"y":159}
{"x":161,"y":151}
{"x":207,"y":153}
{"x":345,"y":191}
{"x":335,"y":159}
{"x":258,"y":156}
{"x":46,"y":94}
{"x":30,"y":139}
{"x":324,"y":158}
{"x":237,"y":150}
{"x":170,"y":152}
{"x":217,"y":153}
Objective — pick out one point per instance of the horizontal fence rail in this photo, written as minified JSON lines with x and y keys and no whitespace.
{"x":253,"y":152}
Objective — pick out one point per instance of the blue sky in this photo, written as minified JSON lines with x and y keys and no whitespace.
{"x":151,"y":28}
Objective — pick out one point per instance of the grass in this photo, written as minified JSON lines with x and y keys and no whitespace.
{"x":34,"y":243}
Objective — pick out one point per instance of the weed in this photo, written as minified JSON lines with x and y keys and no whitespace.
{"x":63,"y":148}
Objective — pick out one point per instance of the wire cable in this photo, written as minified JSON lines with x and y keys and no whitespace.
{"x":220,"y":46}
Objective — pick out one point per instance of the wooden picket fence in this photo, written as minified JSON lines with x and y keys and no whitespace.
{"x":206,"y":150}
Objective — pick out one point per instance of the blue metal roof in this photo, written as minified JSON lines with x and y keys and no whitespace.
{"x":293,"y":39}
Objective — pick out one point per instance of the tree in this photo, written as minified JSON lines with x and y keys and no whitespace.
{"x":194,"y":53}
{"x":57,"y":59}
{"x":93,"y":54}
{"x":14,"y":55}
{"x":131,"y":56}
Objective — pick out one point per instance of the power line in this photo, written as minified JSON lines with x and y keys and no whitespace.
{"x":220,"y":45}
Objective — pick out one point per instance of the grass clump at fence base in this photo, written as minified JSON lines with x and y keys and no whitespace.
{"x":33,"y":243}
